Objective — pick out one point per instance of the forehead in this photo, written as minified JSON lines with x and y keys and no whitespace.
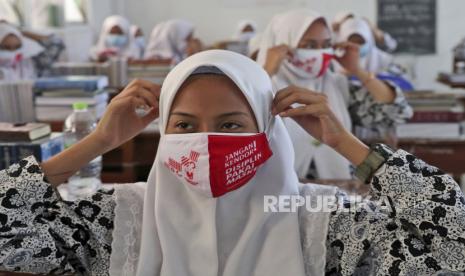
{"x":317,"y":30}
{"x":10,"y":39}
{"x":209,"y":93}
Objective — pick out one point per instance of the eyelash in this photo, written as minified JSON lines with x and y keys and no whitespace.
{"x":227,"y":126}
{"x":179,"y":125}
{"x":237,"y":125}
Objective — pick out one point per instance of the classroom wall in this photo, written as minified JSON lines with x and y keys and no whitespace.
{"x":216,"y":20}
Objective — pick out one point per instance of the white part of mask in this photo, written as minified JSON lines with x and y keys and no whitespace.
{"x":310,"y":63}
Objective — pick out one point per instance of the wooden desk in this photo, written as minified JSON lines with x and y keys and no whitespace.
{"x":350,"y":186}
{"x":448,"y":155}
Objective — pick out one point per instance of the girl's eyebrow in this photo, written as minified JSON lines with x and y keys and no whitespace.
{"x":233,"y":114}
{"x":185,"y":114}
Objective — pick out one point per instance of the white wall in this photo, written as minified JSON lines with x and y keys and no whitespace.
{"x":216,"y":20}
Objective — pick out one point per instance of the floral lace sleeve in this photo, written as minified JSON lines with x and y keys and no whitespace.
{"x":414,"y":224}
{"x":367,"y":113}
{"x":39,"y":233}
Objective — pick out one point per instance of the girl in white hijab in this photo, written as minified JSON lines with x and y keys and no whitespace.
{"x":382,"y":39}
{"x":218,"y":200}
{"x":16,"y":53}
{"x":114,"y":40}
{"x":137,"y":37}
{"x":245,"y":30}
{"x":296,"y":49}
{"x":169,"y":40}
{"x":358,"y":31}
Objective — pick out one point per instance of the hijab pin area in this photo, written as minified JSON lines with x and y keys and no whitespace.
{"x":339,"y":52}
{"x":142,"y":110}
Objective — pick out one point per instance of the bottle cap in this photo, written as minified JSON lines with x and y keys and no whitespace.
{"x":80,"y":106}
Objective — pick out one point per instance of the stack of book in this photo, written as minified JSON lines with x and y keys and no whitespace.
{"x":79,"y":69}
{"x":55,"y":96}
{"x":436,"y":116}
{"x":18,"y":141}
{"x":154,"y":72}
{"x":16,"y":102}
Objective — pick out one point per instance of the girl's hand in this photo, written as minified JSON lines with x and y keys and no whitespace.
{"x":120,"y":122}
{"x":274,"y":58}
{"x":351,"y":58}
{"x":315,"y":116}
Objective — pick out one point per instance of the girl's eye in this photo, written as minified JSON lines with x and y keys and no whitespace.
{"x":183,"y":125}
{"x":230,"y":126}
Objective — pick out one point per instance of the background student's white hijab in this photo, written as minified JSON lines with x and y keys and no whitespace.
{"x":168,"y":40}
{"x":288,"y":28}
{"x":137,"y":41}
{"x":241,"y":25}
{"x":376,"y":60}
{"x":129,"y":51}
{"x":29,"y":49}
{"x":186,"y":233}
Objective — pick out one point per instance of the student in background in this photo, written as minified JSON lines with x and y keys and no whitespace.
{"x":383,"y":39}
{"x":172,"y":40}
{"x":246,"y":30}
{"x":372,"y":59}
{"x":114,"y":40}
{"x":254,"y":46}
{"x":296,"y":50}
{"x":26,"y":55}
{"x":138,"y":38}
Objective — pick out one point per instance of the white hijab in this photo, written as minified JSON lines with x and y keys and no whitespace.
{"x":375,"y":61}
{"x":185,"y":233}
{"x":242,"y":24}
{"x":133,"y":36}
{"x":168,"y":40}
{"x":129,"y":51}
{"x":288,"y":28}
{"x":29,"y":49}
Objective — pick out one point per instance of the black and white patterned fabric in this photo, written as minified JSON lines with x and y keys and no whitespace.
{"x":421,"y":230}
{"x":418,"y":229}
{"x":378,"y":118}
{"x":39,"y":233}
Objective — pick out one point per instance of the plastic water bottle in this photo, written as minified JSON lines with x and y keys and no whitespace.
{"x":79,"y":124}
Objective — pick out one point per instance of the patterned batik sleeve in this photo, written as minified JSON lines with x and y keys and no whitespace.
{"x":368,"y":113}
{"x":413,"y":225}
{"x":39,"y":233}
{"x":53,"y":47}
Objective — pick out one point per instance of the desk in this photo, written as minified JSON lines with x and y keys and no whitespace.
{"x":350,"y":186}
{"x":448,"y":155}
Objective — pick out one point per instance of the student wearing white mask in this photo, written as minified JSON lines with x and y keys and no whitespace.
{"x":372,"y":59}
{"x":223,"y":151}
{"x":382,"y":39}
{"x":138,"y":38}
{"x":297,"y":49}
{"x":172,"y":40}
{"x":114,"y":40}
{"x":26,"y":55}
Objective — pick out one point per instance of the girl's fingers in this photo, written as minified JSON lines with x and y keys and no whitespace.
{"x":315,"y":110}
{"x":149,"y":97}
{"x":138,"y":84}
{"x":305,"y":98}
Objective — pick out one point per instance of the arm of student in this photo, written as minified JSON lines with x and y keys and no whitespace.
{"x":414,"y":223}
{"x":119,"y":124}
{"x":365,"y":111}
{"x":379,"y":90}
{"x":44,"y":235}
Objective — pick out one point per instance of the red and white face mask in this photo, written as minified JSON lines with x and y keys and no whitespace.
{"x":10,"y":58}
{"x":214,"y":164}
{"x":310,"y":63}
